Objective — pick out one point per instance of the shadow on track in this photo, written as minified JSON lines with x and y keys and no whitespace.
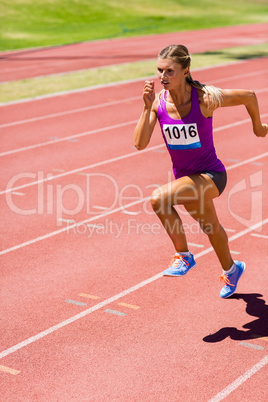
{"x":256,"y":307}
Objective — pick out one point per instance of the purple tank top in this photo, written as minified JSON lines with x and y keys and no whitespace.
{"x":189,"y":140}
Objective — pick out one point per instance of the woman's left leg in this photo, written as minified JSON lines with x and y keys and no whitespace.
{"x":209,"y":223}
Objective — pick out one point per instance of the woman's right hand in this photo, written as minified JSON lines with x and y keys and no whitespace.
{"x":149,"y":93}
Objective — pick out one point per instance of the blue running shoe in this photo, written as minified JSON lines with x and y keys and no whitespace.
{"x":180,"y":265}
{"x":230,"y":281}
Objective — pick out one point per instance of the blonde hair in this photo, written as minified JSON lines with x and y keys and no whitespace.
{"x":179,"y":54}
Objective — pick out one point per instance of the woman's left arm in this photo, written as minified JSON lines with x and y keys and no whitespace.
{"x":234,"y":97}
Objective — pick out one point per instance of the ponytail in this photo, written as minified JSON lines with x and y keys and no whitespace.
{"x":180,"y":55}
{"x":214,"y":93}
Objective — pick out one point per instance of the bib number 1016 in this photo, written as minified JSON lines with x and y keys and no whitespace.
{"x":181,"y":136}
{"x":185,"y":131}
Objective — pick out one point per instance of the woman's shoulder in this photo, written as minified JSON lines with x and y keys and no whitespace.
{"x":157,"y":100}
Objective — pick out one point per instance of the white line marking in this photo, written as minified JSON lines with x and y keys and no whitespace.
{"x":99,"y":207}
{"x":244,"y":162}
{"x":229,"y":230}
{"x":68,"y":112}
{"x":73,"y":226}
{"x":17,"y":193}
{"x":235,"y":124}
{"x":251,"y":345}
{"x":240,"y":380}
{"x":66,"y":220}
{"x":237,"y":77}
{"x":116,"y":159}
{"x":257,"y":163}
{"x":130,"y":155}
{"x":55,"y":140}
{"x":115,"y":312}
{"x":75,"y":91}
{"x":95,"y":226}
{"x":235,"y":252}
{"x":75,"y":302}
{"x":92,"y":88}
{"x":42,"y":144}
{"x":87,"y":220}
{"x":113,"y":299}
{"x":196,"y":245}
{"x":124,"y":211}
{"x":259,"y":235}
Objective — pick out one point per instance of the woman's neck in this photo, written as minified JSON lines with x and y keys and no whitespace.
{"x":181,"y":95}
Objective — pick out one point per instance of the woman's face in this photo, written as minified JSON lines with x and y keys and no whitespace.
{"x":171,"y":74}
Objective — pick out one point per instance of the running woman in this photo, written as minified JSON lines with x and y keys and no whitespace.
{"x":184,"y":109}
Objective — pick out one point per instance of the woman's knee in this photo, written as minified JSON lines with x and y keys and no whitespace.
{"x":157,"y":199}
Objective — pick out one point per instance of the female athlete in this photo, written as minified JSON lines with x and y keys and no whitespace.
{"x":184,"y":109}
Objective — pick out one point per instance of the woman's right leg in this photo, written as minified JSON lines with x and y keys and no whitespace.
{"x":187,"y":189}
{"x":170,"y":219}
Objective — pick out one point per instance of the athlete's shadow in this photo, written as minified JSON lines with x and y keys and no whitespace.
{"x":254,"y":329}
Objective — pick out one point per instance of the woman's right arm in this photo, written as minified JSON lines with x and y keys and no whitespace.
{"x":148,"y":118}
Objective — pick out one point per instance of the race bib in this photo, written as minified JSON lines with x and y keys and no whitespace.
{"x":182,"y":136}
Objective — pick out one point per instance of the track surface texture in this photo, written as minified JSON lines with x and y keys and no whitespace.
{"x":86,"y":314}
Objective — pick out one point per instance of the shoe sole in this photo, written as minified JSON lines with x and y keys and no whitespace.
{"x":179,"y":274}
{"x":244,"y":267}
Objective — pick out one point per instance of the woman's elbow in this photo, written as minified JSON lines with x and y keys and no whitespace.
{"x":139,"y":146}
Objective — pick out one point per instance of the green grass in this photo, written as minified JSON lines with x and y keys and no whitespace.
{"x":33,"y":87}
{"x":33,"y":23}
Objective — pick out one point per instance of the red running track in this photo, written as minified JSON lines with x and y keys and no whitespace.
{"x":29,"y":63}
{"x":172,"y":339}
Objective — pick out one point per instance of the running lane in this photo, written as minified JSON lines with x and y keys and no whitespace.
{"x":36,"y":62}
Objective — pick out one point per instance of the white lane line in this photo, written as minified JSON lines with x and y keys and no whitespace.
{"x":50,"y":178}
{"x":248,"y":161}
{"x":225,"y":127}
{"x":72,"y":226}
{"x":92,"y":225}
{"x":196,"y":245}
{"x":124,"y":82}
{"x":129,"y":212}
{"x":242,"y":76}
{"x":66,"y":220}
{"x":68,"y":112}
{"x":118,"y":158}
{"x":235,"y":124}
{"x":55,"y":140}
{"x":76,"y":91}
{"x":17,"y":193}
{"x":71,"y":137}
{"x":240,"y":380}
{"x":105,"y":213}
{"x":124,"y":100}
{"x":251,"y":345}
{"x":98,"y":306}
{"x":259,"y":235}
{"x":99,"y":207}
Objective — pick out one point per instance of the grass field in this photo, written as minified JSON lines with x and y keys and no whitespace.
{"x":33,"y":23}
{"x":33,"y":87}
